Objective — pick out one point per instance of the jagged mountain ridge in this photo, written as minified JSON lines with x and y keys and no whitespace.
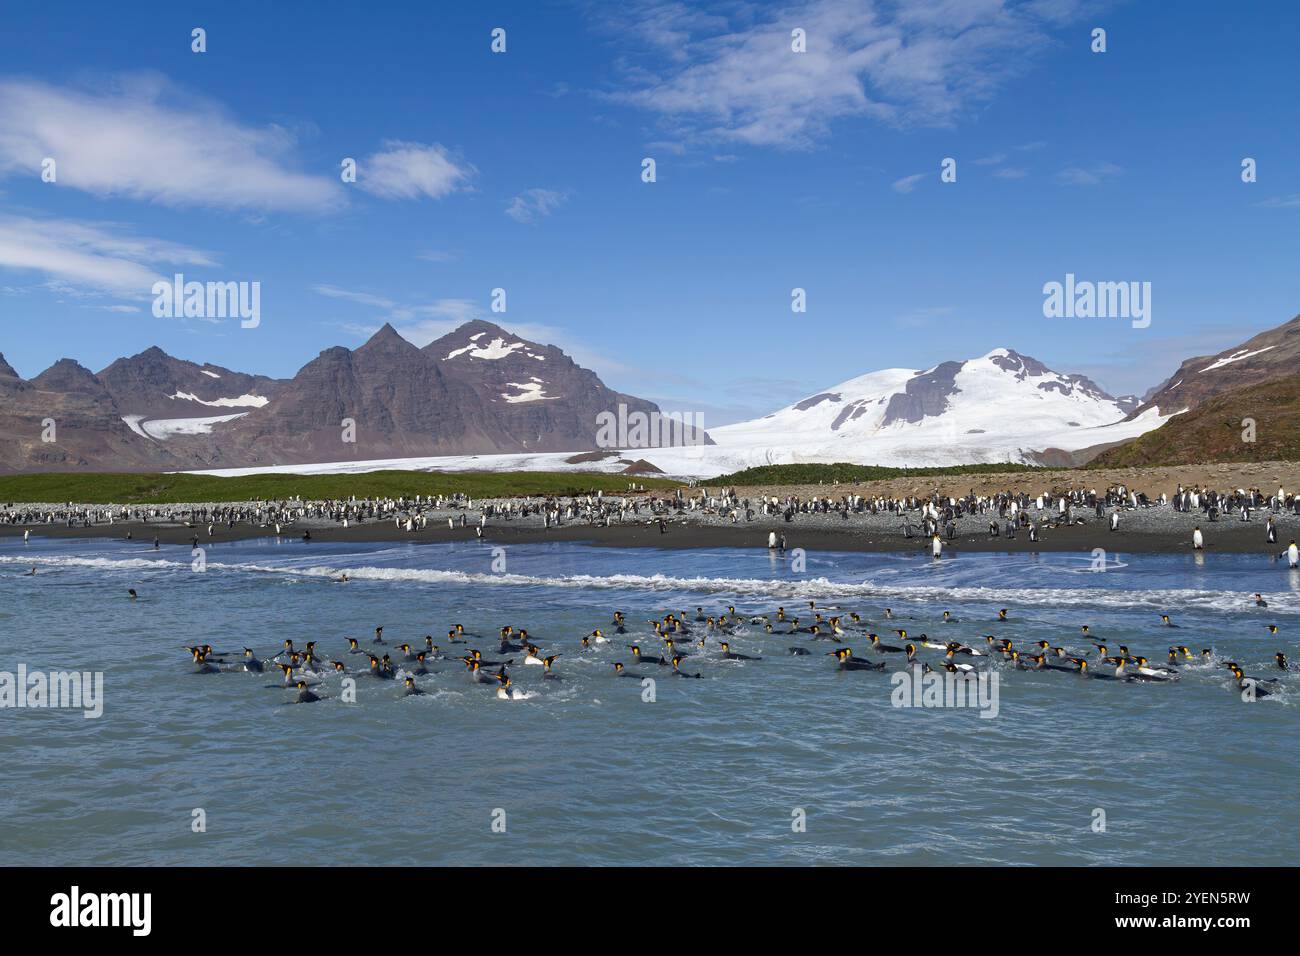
{"x":478,"y":390}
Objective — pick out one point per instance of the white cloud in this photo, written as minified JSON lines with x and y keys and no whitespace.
{"x":361,"y":298}
{"x":403,"y":170}
{"x":1010,"y":172}
{"x":1089,"y":175}
{"x":907,"y":183}
{"x":436,"y":255}
{"x":915,"y":62}
{"x":1280,"y":202}
{"x":87,"y":255}
{"x":533,"y":204}
{"x":420,"y":323}
{"x":142,"y":138}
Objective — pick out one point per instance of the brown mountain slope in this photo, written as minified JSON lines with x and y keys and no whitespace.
{"x":1267,"y":356}
{"x":1212,"y":431}
{"x":68,"y":404}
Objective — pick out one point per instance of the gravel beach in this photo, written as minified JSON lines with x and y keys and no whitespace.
{"x":1158,"y":528}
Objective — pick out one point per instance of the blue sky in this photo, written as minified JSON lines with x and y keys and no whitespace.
{"x":775,"y":170}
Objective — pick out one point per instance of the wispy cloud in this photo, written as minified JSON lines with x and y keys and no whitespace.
{"x":415,"y":320}
{"x":907,"y":183}
{"x":1281,"y":202}
{"x":533,"y":204}
{"x":91,"y":256}
{"x":729,"y":72}
{"x":923,"y":317}
{"x":403,"y":170}
{"x":361,"y":298}
{"x":143,"y":138}
{"x":1088,"y":175}
{"x":1011,"y":172}
{"x":437,"y":255}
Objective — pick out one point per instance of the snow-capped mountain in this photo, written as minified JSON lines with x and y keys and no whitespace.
{"x":1000,"y":407}
{"x":160,"y":396}
{"x":479,"y":390}
{"x":1266,"y":357}
{"x":539,"y":399}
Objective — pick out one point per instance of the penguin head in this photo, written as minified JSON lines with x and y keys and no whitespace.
{"x":618,"y":667}
{"x":724,"y":645}
{"x":338,"y":666}
{"x":301,"y":685}
{"x":352,"y":642}
{"x":409,"y":682}
{"x":248,"y":652}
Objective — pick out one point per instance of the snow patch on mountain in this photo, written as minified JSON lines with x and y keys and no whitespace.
{"x":1237,"y":357}
{"x":243,"y":401}
{"x":164,"y":428}
{"x":498,"y":348}
{"x":531,"y":391}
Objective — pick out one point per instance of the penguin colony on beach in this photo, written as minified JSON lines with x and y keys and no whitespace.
{"x":1009,"y":513}
{"x":673,"y":647}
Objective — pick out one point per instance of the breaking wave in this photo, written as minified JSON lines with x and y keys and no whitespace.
{"x":811,"y":588}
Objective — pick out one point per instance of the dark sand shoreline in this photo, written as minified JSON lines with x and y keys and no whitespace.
{"x":1221,"y":537}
